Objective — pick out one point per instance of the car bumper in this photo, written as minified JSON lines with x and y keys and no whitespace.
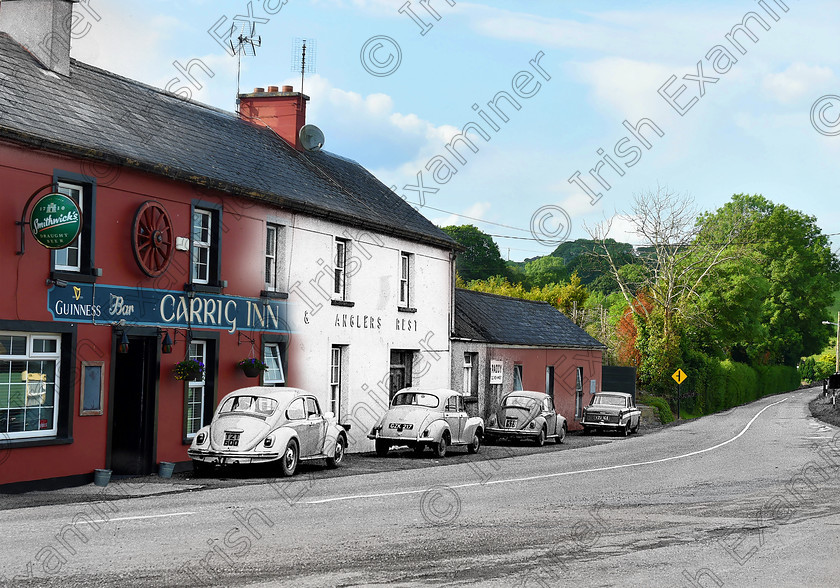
{"x":603,"y":425}
{"x":521,"y":433}
{"x":225,"y":458}
{"x":401,"y":440}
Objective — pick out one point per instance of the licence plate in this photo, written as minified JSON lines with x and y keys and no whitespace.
{"x":231,"y":439}
{"x":401,"y":426}
{"x":510,"y":423}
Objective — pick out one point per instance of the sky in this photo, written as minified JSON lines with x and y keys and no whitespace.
{"x":571,"y":107}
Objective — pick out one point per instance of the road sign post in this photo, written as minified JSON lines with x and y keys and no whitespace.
{"x":679,"y":377}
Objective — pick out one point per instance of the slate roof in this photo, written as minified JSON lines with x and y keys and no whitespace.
{"x":102,"y":116}
{"x":491,"y":318}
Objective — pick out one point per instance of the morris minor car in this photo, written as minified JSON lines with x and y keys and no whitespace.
{"x":264,"y":424}
{"x":611,"y":411}
{"x":427,"y":418}
{"x":527,"y":415}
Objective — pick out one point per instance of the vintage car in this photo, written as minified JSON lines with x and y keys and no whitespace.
{"x":611,"y":411}
{"x":434,"y":418}
{"x":263,"y":424}
{"x":527,"y":415}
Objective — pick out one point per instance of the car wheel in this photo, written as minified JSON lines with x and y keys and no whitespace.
{"x":562,"y":435}
{"x":636,"y":428}
{"x":201,"y":468}
{"x":418,"y":448}
{"x":540,"y":440}
{"x":626,"y":430}
{"x":475,"y":445}
{"x":289,"y":461}
{"x":382,"y":448}
{"x":338,"y":456}
{"x":439,"y":448}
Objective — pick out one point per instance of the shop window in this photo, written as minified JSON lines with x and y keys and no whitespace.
{"x":274,"y":257}
{"x":273,"y":358}
{"x":517,"y":377}
{"x":77,"y":258}
{"x":29,"y":384}
{"x":206,"y":244}
{"x":470,"y":374}
{"x":401,"y":365}
{"x":340,"y":269}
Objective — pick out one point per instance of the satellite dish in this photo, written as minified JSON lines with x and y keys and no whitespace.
{"x":311,"y":138}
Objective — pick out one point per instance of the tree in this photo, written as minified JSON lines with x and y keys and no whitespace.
{"x":546,"y":270}
{"x":572,"y":297}
{"x":481,"y":259}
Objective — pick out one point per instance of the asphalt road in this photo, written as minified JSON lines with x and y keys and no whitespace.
{"x":748,"y":497}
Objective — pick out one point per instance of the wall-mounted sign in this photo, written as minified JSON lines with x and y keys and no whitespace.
{"x":55,"y":221}
{"x":98,"y":303}
{"x":496,"y":371}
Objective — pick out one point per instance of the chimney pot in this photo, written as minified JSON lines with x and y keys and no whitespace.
{"x":259,"y":90}
{"x":288,"y":89}
{"x":272,"y":88}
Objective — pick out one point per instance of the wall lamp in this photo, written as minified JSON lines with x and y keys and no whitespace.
{"x":122,"y":347}
{"x":167,"y":343}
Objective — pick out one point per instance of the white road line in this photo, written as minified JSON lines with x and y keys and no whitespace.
{"x":172,"y":514}
{"x":555,"y":475}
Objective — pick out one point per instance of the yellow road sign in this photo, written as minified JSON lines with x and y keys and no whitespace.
{"x":679,"y":376}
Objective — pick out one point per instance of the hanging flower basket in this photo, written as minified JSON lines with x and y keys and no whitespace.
{"x":189,"y":369}
{"x":252,"y":367}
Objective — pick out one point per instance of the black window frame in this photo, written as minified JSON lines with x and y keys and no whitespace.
{"x":214,"y":280}
{"x":211,"y":381}
{"x":87,"y":252}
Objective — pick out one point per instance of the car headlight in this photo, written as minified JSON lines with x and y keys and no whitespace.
{"x":200,"y":439}
{"x":269,"y":441}
{"x":531,"y":425}
{"x":492,"y":420}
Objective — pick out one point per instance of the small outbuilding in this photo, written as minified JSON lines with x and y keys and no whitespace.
{"x":501,"y":344}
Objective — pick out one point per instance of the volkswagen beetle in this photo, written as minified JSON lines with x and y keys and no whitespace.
{"x":264,"y":424}
{"x":527,"y":415}
{"x":612,"y":411}
{"x":427,"y":418}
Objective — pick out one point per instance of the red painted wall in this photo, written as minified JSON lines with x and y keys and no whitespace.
{"x":565,"y":362}
{"x":23,"y":295}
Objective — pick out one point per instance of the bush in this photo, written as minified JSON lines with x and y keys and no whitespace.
{"x":662,"y":408}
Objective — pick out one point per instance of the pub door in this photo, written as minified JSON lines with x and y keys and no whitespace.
{"x":134,"y":396}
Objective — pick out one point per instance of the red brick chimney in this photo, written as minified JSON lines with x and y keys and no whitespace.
{"x":283,"y":111}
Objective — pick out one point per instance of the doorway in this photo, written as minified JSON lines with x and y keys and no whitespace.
{"x":134,"y":407}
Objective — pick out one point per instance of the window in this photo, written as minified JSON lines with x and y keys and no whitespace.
{"x":339,"y":269}
{"x":274,"y":375}
{"x":78,"y":257}
{"x":29,"y":384}
{"x":517,"y":377}
{"x":274,"y":250}
{"x":549,"y":381}
{"x":401,"y":364}
{"x":296,"y":410}
{"x":578,"y":392}
{"x":312,"y":408}
{"x":405,"y":279}
{"x":470,"y":374}
{"x":206,"y":244}
{"x":335,"y":380}
{"x":196,"y":390}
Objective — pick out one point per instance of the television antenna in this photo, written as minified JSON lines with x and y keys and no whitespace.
{"x":303,"y":58}
{"x":245,"y":44}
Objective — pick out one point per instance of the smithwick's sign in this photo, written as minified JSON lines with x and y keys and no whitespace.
{"x":55,"y":221}
{"x":97,"y":303}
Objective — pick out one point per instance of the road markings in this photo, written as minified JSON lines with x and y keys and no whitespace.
{"x":137,"y":518}
{"x":557,"y":474}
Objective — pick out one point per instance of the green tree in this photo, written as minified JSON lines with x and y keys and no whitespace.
{"x":481,"y":259}
{"x":545,"y":270}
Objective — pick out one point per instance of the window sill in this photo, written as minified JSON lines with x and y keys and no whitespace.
{"x":272,"y":294}
{"x":79,"y":277}
{"x":205,"y":288}
{"x":345,"y":303}
{"x":37,"y":442}
{"x":406,"y":309}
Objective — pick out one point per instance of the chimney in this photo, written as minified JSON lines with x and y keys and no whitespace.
{"x":43,"y":28}
{"x":283,"y":111}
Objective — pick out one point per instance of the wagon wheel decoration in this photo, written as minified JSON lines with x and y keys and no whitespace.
{"x":151,"y":238}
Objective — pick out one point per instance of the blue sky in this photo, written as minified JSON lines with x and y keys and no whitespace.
{"x":598,"y":64}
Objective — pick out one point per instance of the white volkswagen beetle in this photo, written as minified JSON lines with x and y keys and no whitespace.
{"x":263,"y":424}
{"x":434,"y":418}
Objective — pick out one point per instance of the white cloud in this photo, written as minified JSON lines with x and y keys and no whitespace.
{"x":798,"y":80}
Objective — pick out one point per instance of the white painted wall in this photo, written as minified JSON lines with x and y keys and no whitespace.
{"x":377,"y":324}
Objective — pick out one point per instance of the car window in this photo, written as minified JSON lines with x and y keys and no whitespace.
{"x":312,"y":408}
{"x":251,"y":405}
{"x":519,"y":402}
{"x":548,"y":405}
{"x":609,"y":399}
{"x":415,"y":398}
{"x":296,"y":410}
{"x":452,"y":404}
